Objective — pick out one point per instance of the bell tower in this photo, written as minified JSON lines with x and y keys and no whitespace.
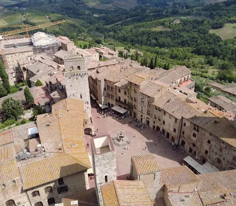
{"x":104,"y":163}
{"x":77,"y":85}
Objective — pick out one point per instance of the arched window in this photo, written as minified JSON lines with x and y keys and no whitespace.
{"x":10,"y":203}
{"x":48,"y":189}
{"x":35,"y":193}
{"x":106,"y":178}
{"x":38,"y":204}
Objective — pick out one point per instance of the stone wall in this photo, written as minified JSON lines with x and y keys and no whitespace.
{"x":207,"y":147}
{"x":104,"y":165}
{"x":76,"y":183}
{"x":13,"y":191}
{"x":77,"y":86}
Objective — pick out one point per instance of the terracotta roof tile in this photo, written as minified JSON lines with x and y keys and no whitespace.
{"x":109,"y":195}
{"x":7,"y":152}
{"x":218,"y":196}
{"x":177,"y":176}
{"x":135,"y":79}
{"x":61,"y":133}
{"x":6,"y":137}
{"x":49,"y":169}
{"x":184,"y":199}
{"x":8,"y":171}
{"x":146,"y":164}
{"x":125,"y":193}
{"x":132,"y":193}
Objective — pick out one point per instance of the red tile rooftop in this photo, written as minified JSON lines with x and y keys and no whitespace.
{"x":185,"y":83}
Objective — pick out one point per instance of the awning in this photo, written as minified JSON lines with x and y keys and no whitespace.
{"x":201,"y":169}
{"x":210,"y":167}
{"x":93,"y":97}
{"x":191,"y":161}
{"x":119,"y":109}
{"x":102,"y":106}
{"x":33,"y":130}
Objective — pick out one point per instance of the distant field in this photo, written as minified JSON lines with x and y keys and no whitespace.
{"x":3,"y":23}
{"x":227,"y":32}
{"x":37,"y":18}
{"x":160,"y":28}
{"x":125,"y":4}
{"x":81,"y":43}
{"x":120,"y":48}
{"x":13,"y":19}
{"x":99,"y":5}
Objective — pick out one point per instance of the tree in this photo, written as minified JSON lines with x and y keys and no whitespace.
{"x":4,"y":77}
{"x":28,"y":96}
{"x":38,"y":83}
{"x":91,"y":43}
{"x":12,"y":109}
{"x":168,"y":66}
{"x":144,"y":61}
{"x":37,"y":111}
{"x":136,"y":56}
{"x":3,"y":91}
{"x":155,"y":62}
{"x":98,"y":41}
{"x":151,"y":66}
{"x":120,"y":54}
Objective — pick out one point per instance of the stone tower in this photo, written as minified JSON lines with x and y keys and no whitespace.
{"x":77,"y":85}
{"x":104,"y":163}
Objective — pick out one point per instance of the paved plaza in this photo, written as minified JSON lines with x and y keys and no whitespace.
{"x":142,"y":141}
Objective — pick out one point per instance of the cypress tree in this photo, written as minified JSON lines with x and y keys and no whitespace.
{"x":120,"y":54}
{"x":136,"y":56}
{"x":28,"y":96}
{"x":144,"y":61}
{"x":4,"y":77}
{"x":168,"y":66}
{"x":151,"y":66}
{"x":155,"y":62}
